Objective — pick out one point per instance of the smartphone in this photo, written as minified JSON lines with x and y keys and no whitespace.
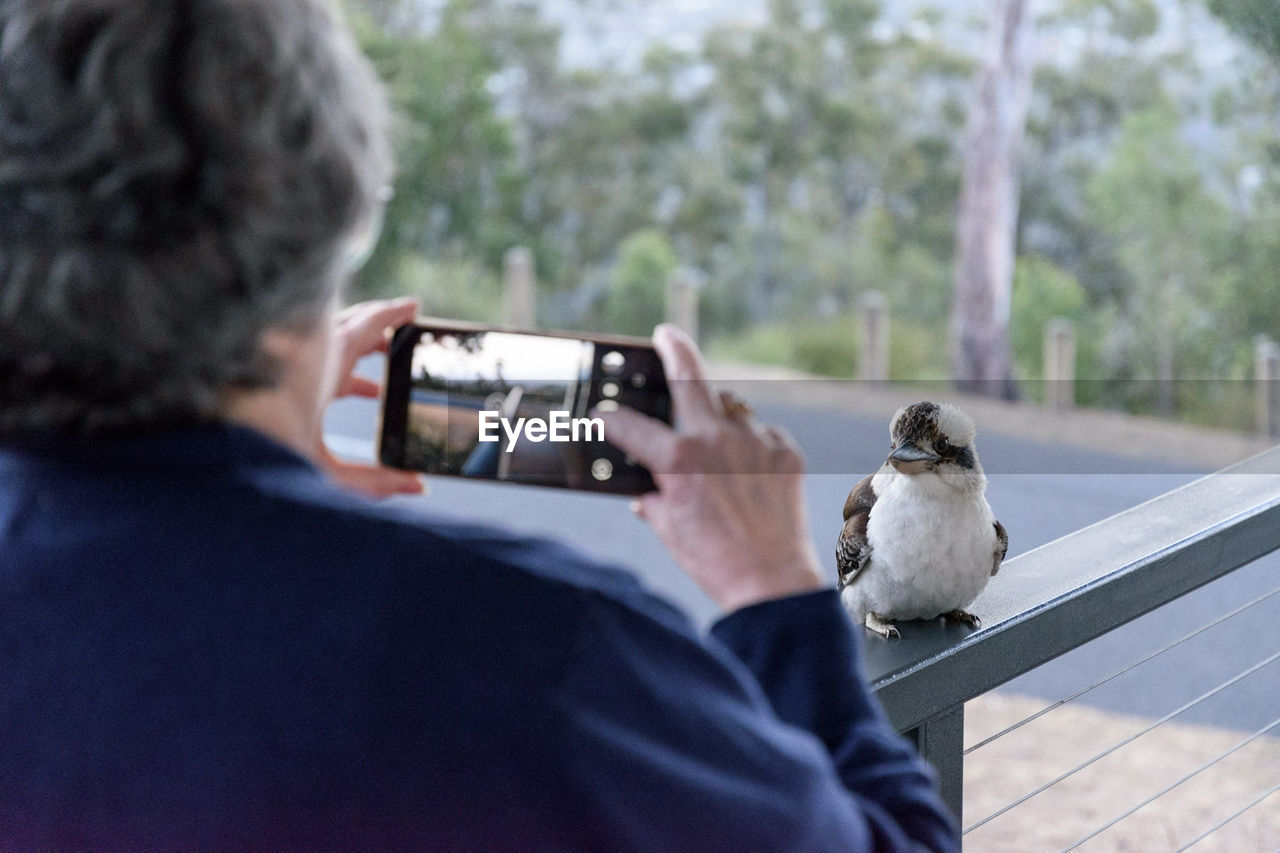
{"x":502,"y":404}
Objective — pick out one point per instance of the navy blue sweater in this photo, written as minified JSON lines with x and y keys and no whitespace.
{"x":205,"y":644}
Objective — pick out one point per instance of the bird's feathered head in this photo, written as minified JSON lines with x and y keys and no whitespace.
{"x":929,"y":436}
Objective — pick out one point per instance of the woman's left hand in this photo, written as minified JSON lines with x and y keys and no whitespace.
{"x":360,"y":330}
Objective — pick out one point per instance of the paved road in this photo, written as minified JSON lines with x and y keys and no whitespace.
{"x":1039,"y":492}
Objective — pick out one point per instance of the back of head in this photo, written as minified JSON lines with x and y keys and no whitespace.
{"x":176,"y":177}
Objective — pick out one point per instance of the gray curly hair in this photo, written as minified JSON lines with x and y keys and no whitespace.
{"x":176,"y":177}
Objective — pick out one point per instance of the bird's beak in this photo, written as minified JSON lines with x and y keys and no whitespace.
{"x":910,"y":459}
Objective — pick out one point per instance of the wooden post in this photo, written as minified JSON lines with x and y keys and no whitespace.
{"x":519,"y":297}
{"x":1266,"y":372}
{"x":873,"y":352}
{"x":1059,"y":363}
{"x":682,"y":300}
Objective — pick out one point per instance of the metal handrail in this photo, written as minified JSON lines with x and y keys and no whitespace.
{"x":1059,"y":596}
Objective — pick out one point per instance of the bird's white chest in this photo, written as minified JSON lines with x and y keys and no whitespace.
{"x":932,"y":546}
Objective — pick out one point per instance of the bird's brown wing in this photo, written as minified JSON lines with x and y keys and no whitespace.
{"x":853,"y":551}
{"x":1002,"y":547}
{"x":860,"y":499}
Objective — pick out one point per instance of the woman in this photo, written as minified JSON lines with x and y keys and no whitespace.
{"x":204,"y":641}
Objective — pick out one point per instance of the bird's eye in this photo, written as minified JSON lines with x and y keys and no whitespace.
{"x":942,"y":445}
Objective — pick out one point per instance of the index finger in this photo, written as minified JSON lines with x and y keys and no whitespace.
{"x":648,"y":440}
{"x":686,"y":375}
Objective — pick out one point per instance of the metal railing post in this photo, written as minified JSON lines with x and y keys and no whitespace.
{"x":940,"y":741}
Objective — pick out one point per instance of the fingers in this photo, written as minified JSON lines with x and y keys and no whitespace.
{"x":362,"y":330}
{"x":788,"y":453}
{"x":374,"y":481}
{"x":378,"y":482}
{"x":648,"y":440}
{"x":686,"y":376}
{"x":643,"y":507}
{"x":358,"y":386}
{"x":363,"y":326}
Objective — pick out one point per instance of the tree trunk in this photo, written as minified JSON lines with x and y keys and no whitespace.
{"x":986,"y":226}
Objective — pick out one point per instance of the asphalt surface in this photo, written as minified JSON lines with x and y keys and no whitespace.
{"x":1039,"y":492}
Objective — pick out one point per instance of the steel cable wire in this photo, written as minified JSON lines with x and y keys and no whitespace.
{"x":1166,"y":718}
{"x":1242,"y":744}
{"x":1119,"y":672}
{"x":1211,"y":830}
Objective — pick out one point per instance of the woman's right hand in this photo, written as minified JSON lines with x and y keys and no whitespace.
{"x":730,"y":505}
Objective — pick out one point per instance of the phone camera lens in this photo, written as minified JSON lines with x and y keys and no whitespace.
{"x":638,"y":380}
{"x":602,"y":469}
{"x":607,"y":405}
{"x":610,"y":389}
{"x":613,"y":362}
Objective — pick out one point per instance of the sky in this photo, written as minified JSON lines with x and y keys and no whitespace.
{"x":523,"y":358}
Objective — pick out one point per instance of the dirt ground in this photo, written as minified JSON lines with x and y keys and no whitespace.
{"x":1018,"y":763}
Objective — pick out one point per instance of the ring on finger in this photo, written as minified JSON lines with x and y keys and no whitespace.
{"x":736,"y":408}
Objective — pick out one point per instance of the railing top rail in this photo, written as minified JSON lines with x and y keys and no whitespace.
{"x":1063,"y":594}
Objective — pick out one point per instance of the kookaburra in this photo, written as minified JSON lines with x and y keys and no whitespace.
{"x":919,"y":539}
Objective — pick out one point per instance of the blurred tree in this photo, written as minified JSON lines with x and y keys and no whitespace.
{"x":803,"y":159}
{"x":986,"y":227}
{"x":1256,"y":20}
{"x":637,"y":299}
{"x":1150,"y":198}
{"x":840,"y":190}
{"x":456,"y":168}
{"x":1078,"y":104}
{"x":1245,"y":290}
{"x":1041,"y":292}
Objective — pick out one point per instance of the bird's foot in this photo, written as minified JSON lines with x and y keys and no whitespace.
{"x":963,"y":616}
{"x":884,"y":629}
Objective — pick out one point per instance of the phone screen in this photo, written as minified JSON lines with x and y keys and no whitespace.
{"x":516,"y":406}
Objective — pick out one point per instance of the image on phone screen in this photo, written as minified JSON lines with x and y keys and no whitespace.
{"x":516,"y":407}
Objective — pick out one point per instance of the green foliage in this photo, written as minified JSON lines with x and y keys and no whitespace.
{"x":1132,"y":20}
{"x":460,"y":289}
{"x":1042,"y":292}
{"x":637,"y":298}
{"x":1075,"y":118}
{"x":1256,"y":20}
{"x":917,"y":352}
{"x":1171,"y":237}
{"x":827,"y":348}
{"x":456,"y":168}
{"x":801,"y":161}
{"x":773,"y":344}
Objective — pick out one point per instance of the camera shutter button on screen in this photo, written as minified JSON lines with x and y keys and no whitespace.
{"x":613,"y":362}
